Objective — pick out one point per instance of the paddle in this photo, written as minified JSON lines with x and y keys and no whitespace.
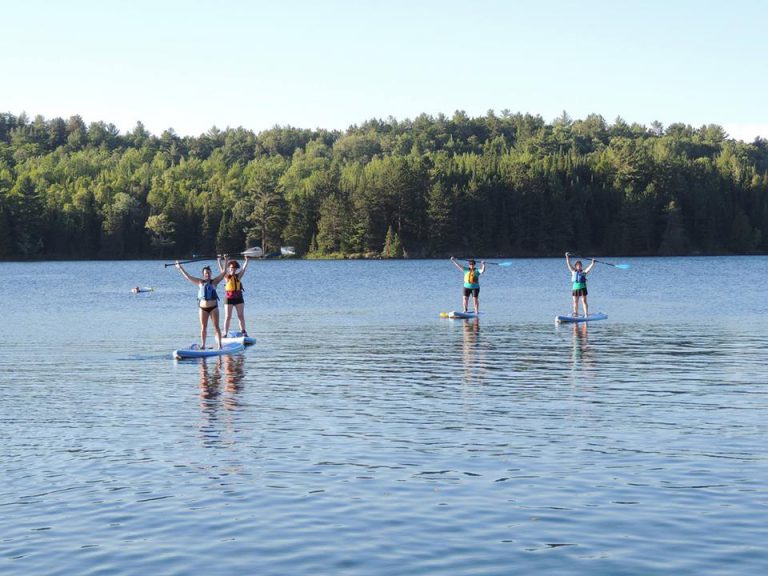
{"x":619,"y":266}
{"x":254,"y":252}
{"x":503,"y":264}
{"x":193,"y":259}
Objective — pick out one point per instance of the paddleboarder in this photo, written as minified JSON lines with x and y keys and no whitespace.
{"x":208,"y":301}
{"x":579,"y":284}
{"x":233,"y":295}
{"x":471,"y":282}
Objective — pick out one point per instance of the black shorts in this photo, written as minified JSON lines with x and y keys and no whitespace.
{"x":579,"y":292}
{"x":473,"y":291}
{"x":233,"y":301}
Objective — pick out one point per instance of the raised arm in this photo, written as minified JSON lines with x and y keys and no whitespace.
{"x":221,"y":260}
{"x":568,"y":261}
{"x":482,"y":266}
{"x":187,"y":275}
{"x":588,"y":268}
{"x":245,"y":265}
{"x":459,"y":266}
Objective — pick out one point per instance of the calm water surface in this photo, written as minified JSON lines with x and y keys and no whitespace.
{"x":363,"y":434}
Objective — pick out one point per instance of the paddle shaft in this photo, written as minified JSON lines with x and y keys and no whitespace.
{"x":250,"y":252}
{"x":493,"y":263}
{"x":598,"y":261}
{"x":198,"y":259}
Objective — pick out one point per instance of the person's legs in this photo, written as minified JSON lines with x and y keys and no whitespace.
{"x":215,"y":320}
{"x":203,"y":327}
{"x":575,"y":311}
{"x":240,"y":317}
{"x":584,"y":305}
{"x":476,"y":300}
{"x":227,"y":317}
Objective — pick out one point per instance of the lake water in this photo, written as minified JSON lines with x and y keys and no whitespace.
{"x":364,"y":434}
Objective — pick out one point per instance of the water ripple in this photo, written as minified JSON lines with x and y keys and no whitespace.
{"x":371,"y":442}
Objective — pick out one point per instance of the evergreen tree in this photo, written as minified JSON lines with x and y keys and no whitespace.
{"x":494,"y":185}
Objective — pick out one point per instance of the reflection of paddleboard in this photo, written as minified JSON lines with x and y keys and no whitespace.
{"x":194,"y":351}
{"x":238,"y":337}
{"x":574,"y":319}
{"x":457,"y":314}
{"x":138,"y":290}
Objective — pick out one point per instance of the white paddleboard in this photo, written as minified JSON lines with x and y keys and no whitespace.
{"x":194,"y":351}
{"x":460,"y":315}
{"x":238,"y":337}
{"x":576,"y":319}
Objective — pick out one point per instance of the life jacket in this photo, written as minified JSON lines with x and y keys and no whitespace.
{"x":234,"y":288}
{"x":579,"y":279}
{"x":207,"y":291}
{"x":471,"y":277}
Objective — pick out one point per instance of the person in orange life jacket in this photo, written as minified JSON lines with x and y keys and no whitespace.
{"x":233,"y":297}
{"x":471,"y":282}
{"x":578,"y":284}
{"x":207,"y":299}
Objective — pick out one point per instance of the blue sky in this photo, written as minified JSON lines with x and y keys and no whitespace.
{"x":194,"y":64}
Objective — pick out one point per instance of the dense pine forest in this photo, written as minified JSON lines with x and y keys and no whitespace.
{"x":496,"y":185}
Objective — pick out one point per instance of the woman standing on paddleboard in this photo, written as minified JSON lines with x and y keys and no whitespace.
{"x":471,"y":282}
{"x":578,"y":284}
{"x":233,"y":296}
{"x":208,"y":301}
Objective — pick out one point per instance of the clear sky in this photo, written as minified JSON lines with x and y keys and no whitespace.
{"x":191,"y":65}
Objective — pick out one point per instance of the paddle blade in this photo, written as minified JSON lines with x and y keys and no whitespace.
{"x":623,"y":266}
{"x":505,"y":264}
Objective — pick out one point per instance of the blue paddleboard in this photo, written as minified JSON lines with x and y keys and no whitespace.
{"x":577,"y":319}
{"x":194,"y":351}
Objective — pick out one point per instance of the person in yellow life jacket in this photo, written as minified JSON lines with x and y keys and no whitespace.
{"x":578,"y":284}
{"x":233,"y":291}
{"x":471,"y":282}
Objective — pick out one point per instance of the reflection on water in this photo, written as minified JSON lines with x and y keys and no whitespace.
{"x":581,"y":354}
{"x":221,"y":381}
{"x":472,"y":352}
{"x":227,"y":369}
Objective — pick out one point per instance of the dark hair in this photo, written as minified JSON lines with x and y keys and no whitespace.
{"x":471,"y":262}
{"x":206,"y":268}
{"x":234,"y":263}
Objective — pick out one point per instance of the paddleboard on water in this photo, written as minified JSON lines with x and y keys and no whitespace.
{"x":577,"y":319}
{"x":238,"y":337}
{"x":138,"y":290}
{"x":194,"y":351}
{"x":457,"y":314}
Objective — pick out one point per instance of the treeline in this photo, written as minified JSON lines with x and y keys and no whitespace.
{"x":497,"y":185}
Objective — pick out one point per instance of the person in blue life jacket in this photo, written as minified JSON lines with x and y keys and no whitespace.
{"x":471,"y":282}
{"x":233,"y":291}
{"x":578,"y":284}
{"x":207,"y":301}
